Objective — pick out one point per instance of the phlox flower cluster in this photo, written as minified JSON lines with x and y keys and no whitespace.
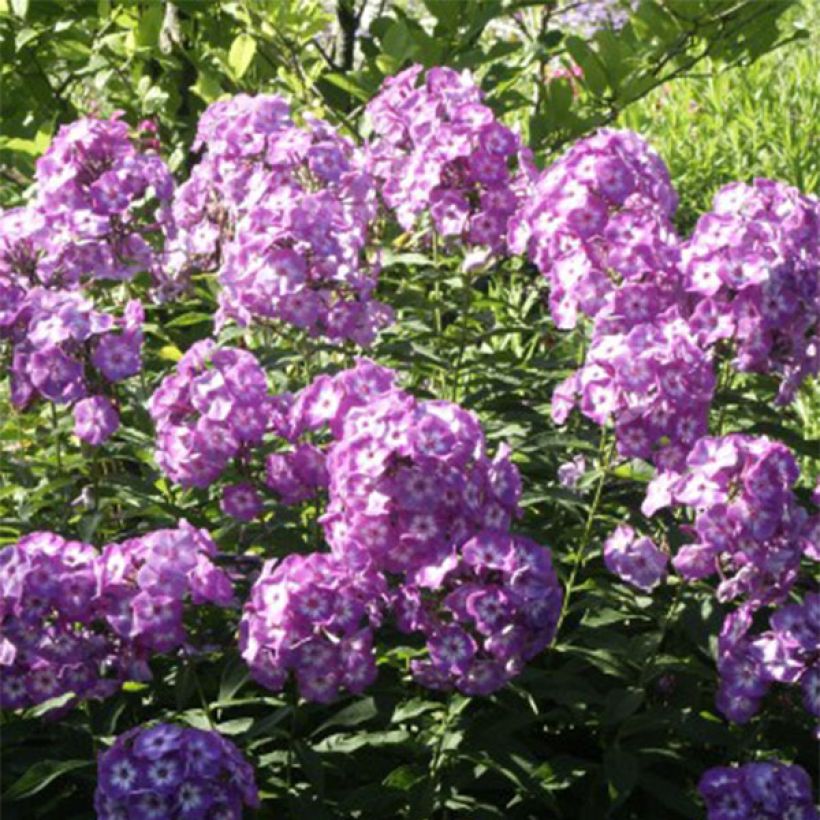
{"x":310,"y":616}
{"x":755,"y":262}
{"x":769,"y":790}
{"x":100,"y":200}
{"x":67,"y":352}
{"x":211,"y":410}
{"x":484,"y":610}
{"x":144,"y":583}
{"x":232,"y":134}
{"x":597,"y":224}
{"x":585,"y":18}
{"x":635,"y":559}
{"x":416,"y":507}
{"x":410,"y":480}
{"x":652,"y":381}
{"x":170,"y":772}
{"x":438,"y":150}
{"x":78,"y":621}
{"x":414,"y":494}
{"x":285,"y":213}
{"x":51,"y":641}
{"x":750,"y":531}
{"x":748,"y":526}
{"x":787,"y":653}
{"x":300,"y":471}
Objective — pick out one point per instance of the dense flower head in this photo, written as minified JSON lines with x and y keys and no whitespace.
{"x":49,"y":609}
{"x":78,"y":621}
{"x":484,"y":610}
{"x":748,"y":526}
{"x":754,"y":261}
{"x":146,"y":581}
{"x":787,"y":653}
{"x":416,"y":508}
{"x":770,"y":790}
{"x":409,"y":480}
{"x":597,"y":225}
{"x":636,"y":560}
{"x":212,"y":409}
{"x":437,"y":149}
{"x":170,"y":772}
{"x":233,"y":136}
{"x":652,"y":381}
{"x":102,"y":199}
{"x":297,"y":473}
{"x":61,"y":344}
{"x":311,"y":616}
{"x":285,"y":213}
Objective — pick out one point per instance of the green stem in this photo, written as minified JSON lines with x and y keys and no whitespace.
{"x":436,"y":289}
{"x":201,"y":692}
{"x":605,"y":451}
{"x":437,"y":761}
{"x":56,"y":424}
{"x":467,"y":303}
{"x":294,"y":698}
{"x":649,"y":667}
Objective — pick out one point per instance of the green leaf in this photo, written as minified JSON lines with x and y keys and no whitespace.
{"x":20,"y":8}
{"x":40,"y":775}
{"x":595,"y":78}
{"x":25,"y":36}
{"x":187,"y":319}
{"x":150,"y":25}
{"x":621,"y":770}
{"x":241,"y":55}
{"x":349,"y":83}
{"x":352,"y":715}
{"x":207,"y":85}
{"x":620,"y":704}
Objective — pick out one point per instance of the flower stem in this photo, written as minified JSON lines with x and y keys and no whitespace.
{"x":467,"y":303}
{"x":56,"y":424}
{"x":606,"y":450}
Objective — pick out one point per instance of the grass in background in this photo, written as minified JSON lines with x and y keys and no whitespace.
{"x":756,"y":121}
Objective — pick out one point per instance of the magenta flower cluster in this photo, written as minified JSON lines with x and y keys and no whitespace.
{"x":787,"y":653}
{"x":439,"y":152}
{"x":484,"y":610}
{"x":81,"y":622}
{"x":410,"y":481}
{"x":299,"y":472}
{"x":102,"y":200}
{"x":750,"y":531}
{"x":285,"y":214}
{"x":170,"y":772}
{"x":755,"y":262}
{"x":65,"y":351}
{"x":101,"y":207}
{"x":653,"y":382}
{"x":418,"y":522}
{"x":597,"y":219}
{"x":769,"y":790}
{"x":309,"y":615}
{"x":748,"y":525}
{"x":211,"y":410}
